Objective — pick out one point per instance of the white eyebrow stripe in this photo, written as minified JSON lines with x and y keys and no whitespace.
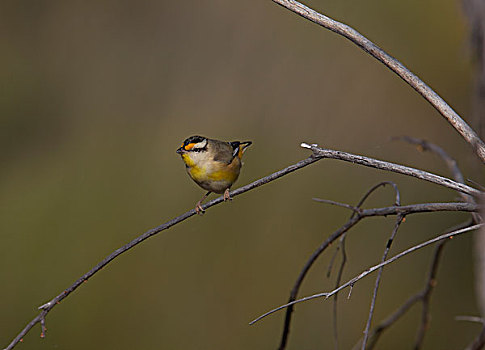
{"x":200,"y":144}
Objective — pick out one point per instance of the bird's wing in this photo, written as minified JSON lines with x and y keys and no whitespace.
{"x":223,"y":151}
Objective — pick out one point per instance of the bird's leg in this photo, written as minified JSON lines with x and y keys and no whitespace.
{"x":198,"y":206}
{"x":227,"y":195}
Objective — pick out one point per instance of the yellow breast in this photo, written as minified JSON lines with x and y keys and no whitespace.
{"x":195,"y":171}
{"x":228,"y":174}
{"x":212,"y":175}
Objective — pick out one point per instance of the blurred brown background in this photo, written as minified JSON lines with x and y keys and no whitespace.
{"x":95,"y":98}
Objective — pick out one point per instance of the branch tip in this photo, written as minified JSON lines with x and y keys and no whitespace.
{"x":45,"y":306}
{"x":306,"y":145}
{"x":368,"y":271}
{"x":470,"y":319}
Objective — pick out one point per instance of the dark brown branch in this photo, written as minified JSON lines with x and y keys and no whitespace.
{"x":458,"y":176}
{"x":47,"y":307}
{"x":479,"y":341}
{"x":399,"y":220}
{"x":396,"y":168}
{"x":362,"y":213}
{"x":426,"y":296}
{"x":414,"y":208}
{"x":341,"y":247}
{"x":335,"y":298}
{"x":397,"y":67}
{"x":294,"y":291}
{"x":370,"y":270}
{"x":449,"y":161}
{"x":347,"y":226}
{"x":337,"y":204}
{"x":368,"y":162}
{"x":317,"y":155}
{"x":431,"y":147}
{"x":424,"y":293}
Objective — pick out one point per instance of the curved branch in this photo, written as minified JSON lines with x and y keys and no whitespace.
{"x":52,"y":303}
{"x":402,"y":210}
{"x":449,"y":161}
{"x":422,"y":295}
{"x":344,"y":255}
{"x":399,"y":221}
{"x":424,"y":145}
{"x":317,"y":155}
{"x":363,"y":274}
{"x":296,"y":287}
{"x":396,"y":168}
{"x":397,"y":67}
{"x":407,"y":209}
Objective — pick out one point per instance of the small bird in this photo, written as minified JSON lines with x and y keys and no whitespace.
{"x":214,"y":165}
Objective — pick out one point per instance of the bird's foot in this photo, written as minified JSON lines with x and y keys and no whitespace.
{"x":227,"y":195}
{"x":198,"y":208}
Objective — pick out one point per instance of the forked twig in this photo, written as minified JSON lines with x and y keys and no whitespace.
{"x":317,"y":155}
{"x":449,"y":161}
{"x":341,"y":247}
{"x":355,"y":218}
{"x":422,"y":295}
{"x":370,"y":270}
{"x":398,"y":223}
{"x":424,"y":145}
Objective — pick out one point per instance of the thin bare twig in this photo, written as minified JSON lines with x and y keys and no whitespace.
{"x":475,"y":319}
{"x":424,"y":293}
{"x":354,"y":219}
{"x":337,"y":282}
{"x":424,"y":145}
{"x":418,"y":208}
{"x":449,"y":161}
{"x":370,"y":270}
{"x":397,"y":200}
{"x":458,"y":176}
{"x":317,"y":155}
{"x":362,"y":213}
{"x":296,"y":287}
{"x":47,"y":307}
{"x":341,"y":247}
{"x":398,"y":223}
{"x":426,"y":296}
{"x":397,"y":67}
{"x":337,"y":204}
{"x":479,"y":342}
{"x":474,"y":183}
{"x":401,"y":169}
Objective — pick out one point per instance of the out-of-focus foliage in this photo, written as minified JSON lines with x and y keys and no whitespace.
{"x":95,"y":98}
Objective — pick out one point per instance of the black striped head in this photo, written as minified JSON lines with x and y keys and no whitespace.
{"x":193,"y":144}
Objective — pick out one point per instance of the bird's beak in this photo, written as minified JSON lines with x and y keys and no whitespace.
{"x":179,"y":150}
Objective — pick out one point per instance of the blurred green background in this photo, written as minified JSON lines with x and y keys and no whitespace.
{"x":95,"y":99}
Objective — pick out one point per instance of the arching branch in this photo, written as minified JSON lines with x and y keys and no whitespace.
{"x":317,"y":155}
{"x":370,"y":270}
{"x":397,"y":67}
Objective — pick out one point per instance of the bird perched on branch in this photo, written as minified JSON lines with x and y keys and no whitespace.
{"x":214,"y":165}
